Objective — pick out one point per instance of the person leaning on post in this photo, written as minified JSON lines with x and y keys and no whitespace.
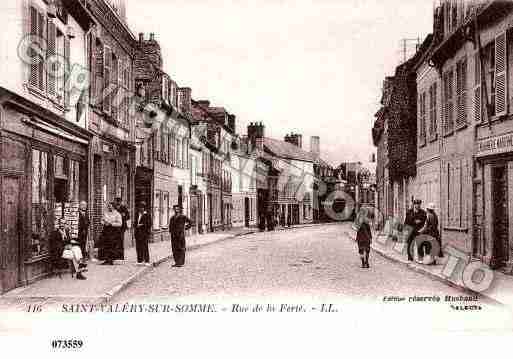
{"x":178,"y":224}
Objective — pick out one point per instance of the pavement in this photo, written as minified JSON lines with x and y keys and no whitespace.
{"x":454,"y":269}
{"x":105,"y":282}
{"x":319,"y":264}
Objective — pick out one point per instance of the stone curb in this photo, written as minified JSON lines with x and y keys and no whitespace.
{"x":115,"y":290}
{"x":425,"y":272}
{"x":123,"y":285}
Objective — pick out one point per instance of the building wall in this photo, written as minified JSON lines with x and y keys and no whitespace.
{"x":427,"y":184}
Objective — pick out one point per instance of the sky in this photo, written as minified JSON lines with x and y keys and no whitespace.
{"x":311,"y":67}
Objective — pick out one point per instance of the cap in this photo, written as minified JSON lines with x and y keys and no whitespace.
{"x":431,"y":206}
{"x":417,"y":201}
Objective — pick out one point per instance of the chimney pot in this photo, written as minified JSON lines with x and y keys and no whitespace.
{"x":141,"y":37}
{"x":152,"y":36}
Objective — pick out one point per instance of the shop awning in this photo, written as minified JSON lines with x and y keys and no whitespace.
{"x":42,"y":125}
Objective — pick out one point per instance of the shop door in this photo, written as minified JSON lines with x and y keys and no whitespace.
{"x":194,"y":214}
{"x":246,"y":211}
{"x":500,"y":215}
{"x":11,"y":229}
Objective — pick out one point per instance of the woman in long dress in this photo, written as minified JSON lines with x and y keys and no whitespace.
{"x":111,"y":226}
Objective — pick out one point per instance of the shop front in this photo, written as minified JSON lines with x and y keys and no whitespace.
{"x":113,"y":164}
{"x":43,"y":178}
{"x":492,"y":240}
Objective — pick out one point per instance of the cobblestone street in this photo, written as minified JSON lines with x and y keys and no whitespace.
{"x":317,"y":263}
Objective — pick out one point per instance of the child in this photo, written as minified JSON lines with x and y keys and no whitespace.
{"x":364,"y":239}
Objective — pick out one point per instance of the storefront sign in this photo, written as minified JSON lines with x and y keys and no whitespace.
{"x":495,"y":145}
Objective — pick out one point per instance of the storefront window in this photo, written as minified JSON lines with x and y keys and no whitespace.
{"x":40,"y":203}
{"x":156,"y":211}
{"x":165,"y":209}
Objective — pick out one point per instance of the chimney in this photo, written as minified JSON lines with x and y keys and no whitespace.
{"x":122,"y":10}
{"x":315,"y":146}
{"x":231,"y":122}
{"x":295,"y":139}
{"x":141,"y":38}
{"x":259,"y":143}
{"x":184,"y":99}
{"x":204,"y":103}
{"x":256,"y":131}
{"x":152,"y":36}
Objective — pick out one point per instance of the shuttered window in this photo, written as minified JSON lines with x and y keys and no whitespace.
{"x":501,"y":104}
{"x":113,"y":87}
{"x":67,"y":70}
{"x":448,"y":106}
{"x":432,"y":112}
{"x":107,"y":75}
{"x":422,"y":119}
{"x":37,"y":28}
{"x":461,"y":92}
{"x":51,"y":51}
{"x":477,"y":97}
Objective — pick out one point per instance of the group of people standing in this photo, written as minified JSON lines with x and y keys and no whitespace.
{"x":418,"y":222}
{"x":66,"y":251}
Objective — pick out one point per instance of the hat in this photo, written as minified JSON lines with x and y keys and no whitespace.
{"x":431,"y":206}
{"x":417,"y":201}
{"x":177,"y":206}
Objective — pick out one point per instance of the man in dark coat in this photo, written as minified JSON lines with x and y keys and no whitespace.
{"x":119,"y":248}
{"x":364,"y":239}
{"x":83,"y":228}
{"x":142,"y":234}
{"x":415,"y":219}
{"x":178,"y":224}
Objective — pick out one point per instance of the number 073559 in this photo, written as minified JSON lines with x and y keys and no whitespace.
{"x":67,"y":343}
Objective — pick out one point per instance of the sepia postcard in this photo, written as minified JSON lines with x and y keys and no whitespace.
{"x":314,"y":175}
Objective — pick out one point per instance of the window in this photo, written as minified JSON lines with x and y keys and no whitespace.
{"x":37,"y":28}
{"x":156,"y":210}
{"x":422,"y":119}
{"x":172,"y":150}
{"x":74,"y":181}
{"x":432,"y":112}
{"x":164,"y":145}
{"x":477,"y":95}
{"x":457,"y":174}
{"x":178,"y":153}
{"x":448,"y":104}
{"x":461,"y":92}
{"x":501,"y":96}
{"x":165,"y":210}
{"x":41,"y":212}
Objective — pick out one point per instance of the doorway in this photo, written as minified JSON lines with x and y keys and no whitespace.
{"x":11,"y":229}
{"x":500,"y":216}
{"x":246,"y":212}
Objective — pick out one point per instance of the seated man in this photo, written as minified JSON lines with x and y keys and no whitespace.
{"x":64,"y":247}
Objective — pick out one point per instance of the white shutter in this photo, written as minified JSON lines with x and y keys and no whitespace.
{"x":501,"y":104}
{"x":477,"y":94}
{"x":107,"y":73}
{"x":51,"y":52}
{"x":67,"y":71}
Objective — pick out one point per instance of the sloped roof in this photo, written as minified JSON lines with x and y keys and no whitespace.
{"x":287,"y":150}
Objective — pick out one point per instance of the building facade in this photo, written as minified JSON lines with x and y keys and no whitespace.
{"x":111,"y":51}
{"x":44,"y":134}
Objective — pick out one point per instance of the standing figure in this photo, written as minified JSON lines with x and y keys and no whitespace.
{"x":178,"y":224}
{"x":83,"y":228}
{"x":112,"y":223}
{"x":142,"y":235}
{"x":119,"y":249}
{"x":415,"y":219}
{"x":364,"y":240}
